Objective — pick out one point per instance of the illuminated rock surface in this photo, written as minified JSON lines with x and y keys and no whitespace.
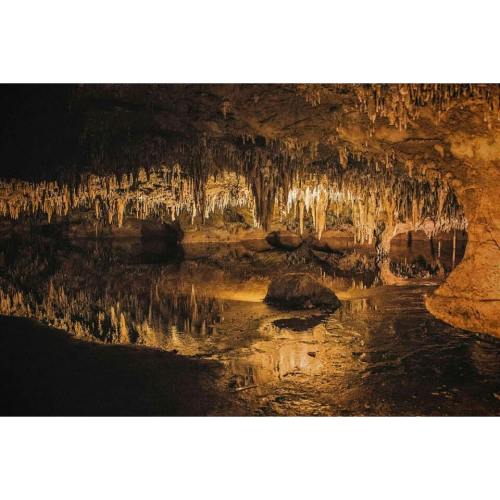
{"x":300,"y":291}
{"x":284,"y":239}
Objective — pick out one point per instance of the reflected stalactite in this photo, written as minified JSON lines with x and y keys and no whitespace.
{"x":115,"y":314}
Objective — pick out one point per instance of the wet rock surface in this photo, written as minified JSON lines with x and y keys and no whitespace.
{"x":300,"y":291}
{"x":285,"y":240}
{"x":382,"y":355}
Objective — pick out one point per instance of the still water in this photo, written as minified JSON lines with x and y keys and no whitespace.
{"x":380,"y":353}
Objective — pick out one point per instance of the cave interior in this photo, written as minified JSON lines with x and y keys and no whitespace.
{"x":255,"y":227}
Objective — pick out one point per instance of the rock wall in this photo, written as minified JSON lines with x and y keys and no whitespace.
{"x":470,"y":297}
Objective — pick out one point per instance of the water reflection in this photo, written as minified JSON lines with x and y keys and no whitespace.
{"x":300,"y":324}
{"x":380,"y":353}
{"x":374,"y":356}
{"x":289,"y":353}
{"x":415,"y":256}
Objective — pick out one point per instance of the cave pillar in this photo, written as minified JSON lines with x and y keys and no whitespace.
{"x":384,"y":233}
{"x":470,"y":296}
{"x":386,"y":238}
{"x":383,"y":245}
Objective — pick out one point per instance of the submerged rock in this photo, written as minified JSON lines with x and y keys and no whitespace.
{"x":300,"y":291}
{"x":284,"y":239}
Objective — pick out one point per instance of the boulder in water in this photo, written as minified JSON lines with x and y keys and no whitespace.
{"x":300,"y":291}
{"x":284,"y":239}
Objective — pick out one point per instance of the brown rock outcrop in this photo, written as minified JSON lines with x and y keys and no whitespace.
{"x":300,"y":291}
{"x":284,"y":239}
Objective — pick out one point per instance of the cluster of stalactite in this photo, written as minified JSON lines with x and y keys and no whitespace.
{"x":161,"y":193}
{"x":291,"y":180}
{"x":403,"y":103}
{"x":152,"y":318}
{"x":268,"y":167}
{"x":204,"y":176}
{"x":310,"y":92}
{"x":373,"y":195}
{"x":266,"y":176}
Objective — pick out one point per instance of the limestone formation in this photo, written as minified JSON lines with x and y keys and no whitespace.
{"x":300,"y":291}
{"x":284,"y":239}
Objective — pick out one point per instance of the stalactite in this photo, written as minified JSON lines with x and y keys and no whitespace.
{"x":124,"y":335}
{"x":374,"y":195}
{"x":210,"y":176}
{"x":166,"y":191}
{"x":301,"y":217}
{"x":403,"y":103}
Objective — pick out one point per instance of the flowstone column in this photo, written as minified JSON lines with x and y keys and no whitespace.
{"x":470,"y":296}
{"x":383,"y":236}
